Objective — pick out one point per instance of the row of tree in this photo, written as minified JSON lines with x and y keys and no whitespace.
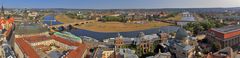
{"x":197,"y":27}
{"x":114,"y":18}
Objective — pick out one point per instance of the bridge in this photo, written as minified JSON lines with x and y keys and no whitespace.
{"x":74,"y":24}
{"x":173,"y":21}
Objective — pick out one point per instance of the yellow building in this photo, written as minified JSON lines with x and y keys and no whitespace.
{"x":107,"y":54}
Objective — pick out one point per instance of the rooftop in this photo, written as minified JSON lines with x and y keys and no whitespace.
{"x":26,"y":48}
{"x":77,"y":53}
{"x":181,"y":34}
{"x":68,"y":36}
{"x":37,"y":38}
{"x":67,"y":42}
{"x":227,"y":29}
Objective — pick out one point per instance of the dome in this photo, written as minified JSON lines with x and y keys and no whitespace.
{"x":181,"y":34}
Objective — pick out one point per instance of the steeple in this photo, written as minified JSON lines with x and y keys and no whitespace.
{"x":2,"y":10}
{"x":119,"y":35}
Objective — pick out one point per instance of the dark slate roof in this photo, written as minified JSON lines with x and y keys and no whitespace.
{"x":181,"y":34}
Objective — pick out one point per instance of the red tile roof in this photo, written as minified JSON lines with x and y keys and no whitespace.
{"x":26,"y":48}
{"x":79,"y":52}
{"x":67,"y":42}
{"x":37,"y":38}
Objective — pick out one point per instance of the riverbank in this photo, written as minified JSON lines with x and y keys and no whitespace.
{"x":65,"y":19}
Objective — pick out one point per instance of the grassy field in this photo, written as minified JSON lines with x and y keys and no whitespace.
{"x":65,"y":19}
{"x":120,"y":27}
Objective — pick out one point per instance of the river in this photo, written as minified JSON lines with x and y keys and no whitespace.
{"x":50,"y":20}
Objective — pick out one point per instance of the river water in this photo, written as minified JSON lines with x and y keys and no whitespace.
{"x":50,"y":20}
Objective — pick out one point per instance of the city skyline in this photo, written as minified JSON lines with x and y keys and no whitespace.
{"x":119,"y":4}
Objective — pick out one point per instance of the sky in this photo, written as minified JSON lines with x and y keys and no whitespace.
{"x":119,"y":4}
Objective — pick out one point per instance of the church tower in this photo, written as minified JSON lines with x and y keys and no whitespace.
{"x":2,"y":11}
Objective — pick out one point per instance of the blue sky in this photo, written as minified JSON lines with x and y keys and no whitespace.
{"x":122,"y":4}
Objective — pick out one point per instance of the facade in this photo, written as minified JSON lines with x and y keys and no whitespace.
{"x":119,"y":41}
{"x":226,"y":36}
{"x":186,"y":18}
{"x":107,"y":53}
{"x":145,"y":42}
{"x":184,"y":51}
{"x":127,"y":53}
{"x":145,"y":46}
{"x":163,"y":37}
{"x":161,"y":55}
{"x":183,"y":45}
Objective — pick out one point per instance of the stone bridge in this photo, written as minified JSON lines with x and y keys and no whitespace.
{"x":74,"y":24}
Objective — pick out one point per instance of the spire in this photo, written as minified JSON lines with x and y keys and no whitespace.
{"x":118,"y":34}
{"x":2,"y":10}
{"x":141,"y":34}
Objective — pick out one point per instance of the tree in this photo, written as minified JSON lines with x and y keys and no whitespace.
{"x":197,"y":27}
{"x":216,"y":46}
{"x":123,"y":18}
{"x":112,"y":18}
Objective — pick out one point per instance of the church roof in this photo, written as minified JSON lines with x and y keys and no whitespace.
{"x":181,"y":34}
